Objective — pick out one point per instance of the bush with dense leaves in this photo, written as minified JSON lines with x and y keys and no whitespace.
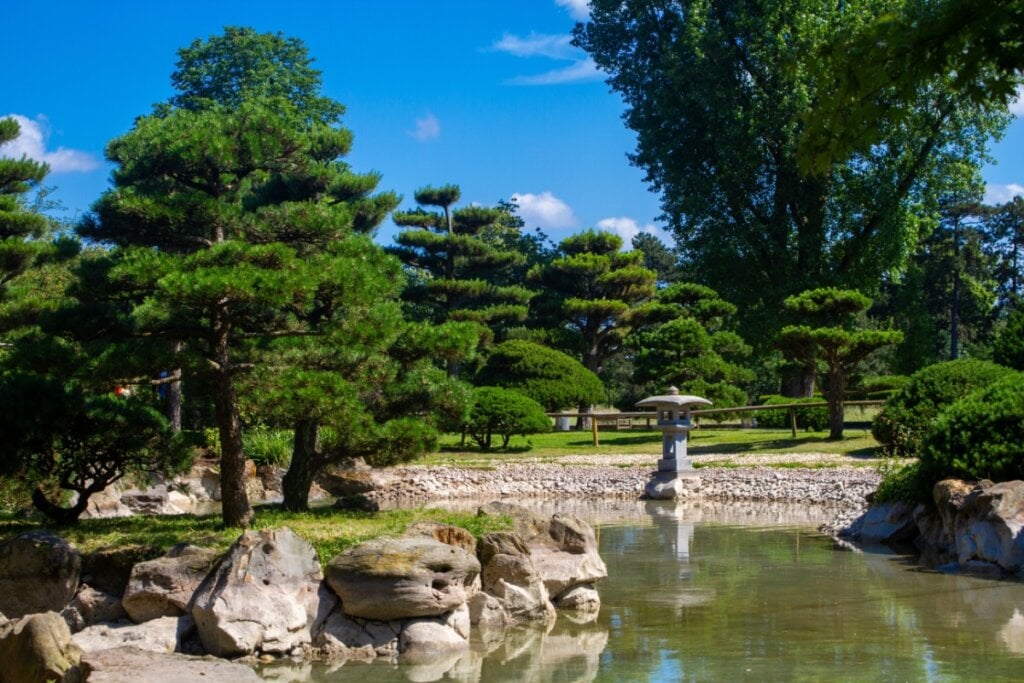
{"x":981,"y":436}
{"x":1008,"y":348}
{"x":551,"y":378}
{"x":907,"y":416}
{"x":505,"y":413}
{"x":808,"y":419}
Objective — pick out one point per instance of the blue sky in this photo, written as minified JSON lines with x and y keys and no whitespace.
{"x":488,"y":95}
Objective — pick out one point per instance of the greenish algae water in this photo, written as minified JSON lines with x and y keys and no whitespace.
{"x":690,"y":598}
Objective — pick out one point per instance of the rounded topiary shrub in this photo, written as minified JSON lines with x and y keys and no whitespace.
{"x":807,"y":419}
{"x":505,"y":413}
{"x":980,"y":436}
{"x":549,"y":377}
{"x":906,"y":417}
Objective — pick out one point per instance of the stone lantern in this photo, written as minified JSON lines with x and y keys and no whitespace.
{"x":675,"y":470}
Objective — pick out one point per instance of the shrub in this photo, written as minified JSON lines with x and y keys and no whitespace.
{"x":809,"y":419}
{"x":506,"y":413}
{"x":267,"y":446}
{"x":1008,"y":348}
{"x":981,"y":436}
{"x":902,"y":481}
{"x":549,"y":377}
{"x":907,"y":416}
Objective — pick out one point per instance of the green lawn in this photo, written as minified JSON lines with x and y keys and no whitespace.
{"x":704,"y":441}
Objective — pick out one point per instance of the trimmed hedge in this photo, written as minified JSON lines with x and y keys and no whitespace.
{"x":906,"y":417}
{"x":553,"y":379}
{"x":808,"y":419}
{"x":981,"y":436}
{"x":506,"y":413}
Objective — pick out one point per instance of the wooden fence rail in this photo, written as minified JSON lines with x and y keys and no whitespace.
{"x":595,"y":418}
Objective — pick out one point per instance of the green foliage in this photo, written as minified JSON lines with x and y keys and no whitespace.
{"x":808,"y":419}
{"x":980,"y":436}
{"x":505,"y":413}
{"x":903,"y":481}
{"x":553,"y":379}
{"x":1008,"y":349}
{"x":268,"y":446}
{"x":907,"y":416}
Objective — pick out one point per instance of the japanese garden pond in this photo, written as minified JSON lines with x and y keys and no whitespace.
{"x":730,"y":592}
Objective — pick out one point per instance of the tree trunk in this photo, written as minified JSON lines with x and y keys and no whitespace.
{"x":954,"y":307}
{"x":305,"y":465}
{"x":235,"y":508}
{"x":798,"y":381}
{"x":173,"y":407}
{"x":61,"y":515}
{"x":836,"y":405}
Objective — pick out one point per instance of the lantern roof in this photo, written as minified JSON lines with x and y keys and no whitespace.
{"x":672,"y":399}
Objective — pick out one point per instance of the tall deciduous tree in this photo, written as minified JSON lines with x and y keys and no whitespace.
{"x":717,"y":92}
{"x":1006,"y":243}
{"x":834,"y":339}
{"x":234,"y":215}
{"x":457,"y":258}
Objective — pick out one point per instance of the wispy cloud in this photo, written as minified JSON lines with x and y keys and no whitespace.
{"x":584,"y":70}
{"x":537,"y":45}
{"x":1017,"y":106}
{"x":1000,"y":194}
{"x":578,"y":9}
{"x":427,"y":128}
{"x":31,"y":142}
{"x":627,"y":228}
{"x":544,"y":210}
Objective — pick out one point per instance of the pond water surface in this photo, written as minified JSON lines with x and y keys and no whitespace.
{"x":733,"y":593}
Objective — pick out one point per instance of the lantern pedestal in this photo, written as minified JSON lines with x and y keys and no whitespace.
{"x":676,"y":476}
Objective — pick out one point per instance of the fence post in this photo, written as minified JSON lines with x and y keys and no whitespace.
{"x":593,"y":425}
{"x":792,"y":420}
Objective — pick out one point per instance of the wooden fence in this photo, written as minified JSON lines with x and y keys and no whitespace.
{"x":618,"y":418}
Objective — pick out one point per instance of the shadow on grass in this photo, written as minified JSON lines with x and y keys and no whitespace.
{"x":696,"y":448}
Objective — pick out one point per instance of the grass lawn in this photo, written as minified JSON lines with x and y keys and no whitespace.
{"x":329,"y":530}
{"x":550,"y":447}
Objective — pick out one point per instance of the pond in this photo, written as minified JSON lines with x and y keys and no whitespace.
{"x":742,"y":592}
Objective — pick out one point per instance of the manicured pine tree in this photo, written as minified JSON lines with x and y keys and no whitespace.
{"x":833,"y":337}
{"x":457,"y":265}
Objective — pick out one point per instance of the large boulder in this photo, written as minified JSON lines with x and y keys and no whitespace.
{"x":36,"y":648}
{"x":888,"y":523}
{"x":166,"y":634}
{"x":108,"y":569}
{"x":345,"y":637}
{"x":130,"y":664}
{"x":426,"y":640}
{"x":90,"y":606}
{"x":39,"y":572}
{"x":988,"y":526}
{"x":445,"y":533}
{"x":398,"y":578}
{"x":262,"y":597}
{"x":164,"y":586}
{"x":349,"y":478}
{"x":509,"y":575}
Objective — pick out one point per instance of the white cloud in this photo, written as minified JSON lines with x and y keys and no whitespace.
{"x":537,"y":45}
{"x":578,"y":9}
{"x":427,"y":128}
{"x":627,"y":228}
{"x":1017,"y":106}
{"x":1000,"y":194}
{"x":584,"y":70}
{"x":31,"y":142}
{"x":544,"y":210}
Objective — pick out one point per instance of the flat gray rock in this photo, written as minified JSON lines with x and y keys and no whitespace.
{"x":130,"y":665}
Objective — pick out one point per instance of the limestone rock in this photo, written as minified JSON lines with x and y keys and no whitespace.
{"x":445,"y":533}
{"x":525,"y":523}
{"x":425,"y":640}
{"x":348,"y":478}
{"x":509,"y":574}
{"x":670,"y":486}
{"x":39,"y":572}
{"x":158,"y":500}
{"x":401,"y":578}
{"x":36,"y":648}
{"x":165,"y":634}
{"x":949,"y":496}
{"x":262,"y":597}
{"x":571,"y":534}
{"x":486,"y":612}
{"x":90,"y":606}
{"x":989,"y":524}
{"x":888,"y":523}
{"x":130,"y":665}
{"x":580,"y":598}
{"x":164,"y":586}
{"x":108,"y":569}
{"x":342,"y":636}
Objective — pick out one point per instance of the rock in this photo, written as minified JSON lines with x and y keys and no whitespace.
{"x":348,"y":478}
{"x":342,"y":636}
{"x":525,"y":523}
{"x":571,"y":534}
{"x":670,"y":486}
{"x":988,"y":526}
{"x":949,"y":496}
{"x":36,"y":648}
{"x":158,"y":500}
{"x":509,"y":575}
{"x":262,"y":597}
{"x":580,"y":598}
{"x":165,"y":634}
{"x":39,"y":572}
{"x":129,"y":665}
{"x":106,"y":504}
{"x":108,"y":569}
{"x":889,"y":523}
{"x":386,"y":579}
{"x":425,"y":640}
{"x":445,"y":533}
{"x":486,"y":612}
{"x":561,"y":571}
{"x":90,"y":606}
{"x":164,"y":586}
